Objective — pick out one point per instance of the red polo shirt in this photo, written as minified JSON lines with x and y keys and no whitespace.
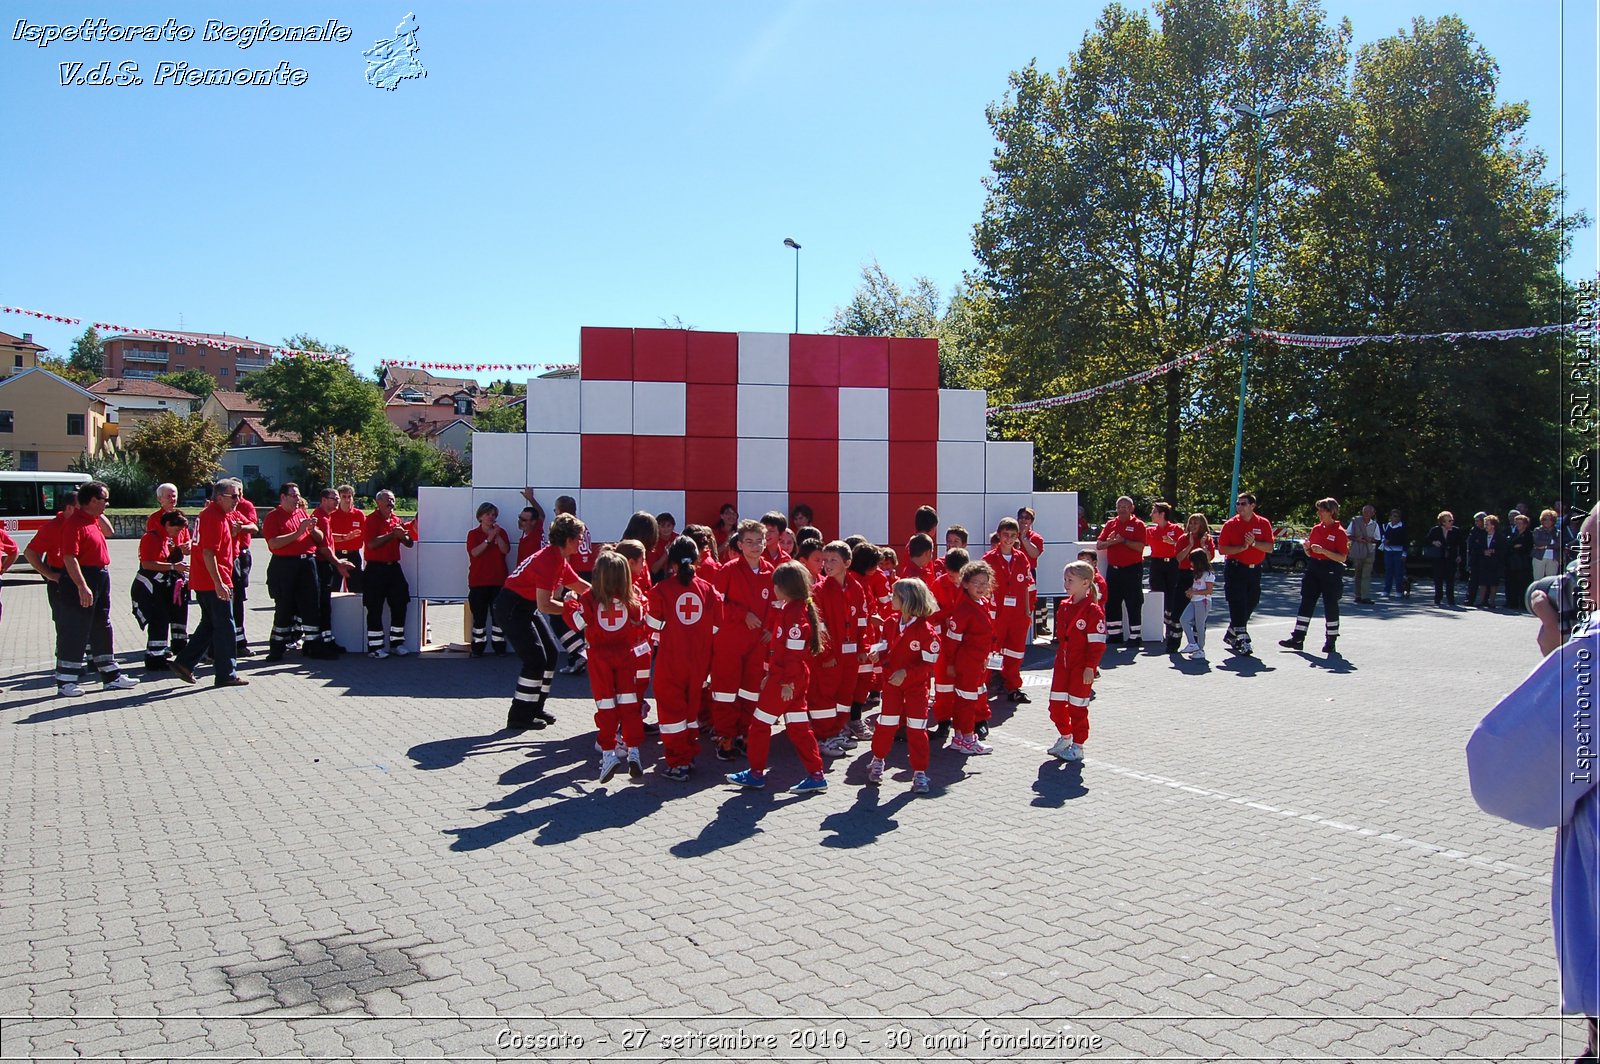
{"x":1329,"y":537}
{"x":1123,"y":554}
{"x":281,"y":522}
{"x":1233,"y":533}
{"x":83,"y":540}
{"x":545,"y":568}
{"x":1163,"y":539}
{"x":352,"y":523}
{"x":378,"y":525}
{"x":487,"y":569}
{"x":216,"y":534}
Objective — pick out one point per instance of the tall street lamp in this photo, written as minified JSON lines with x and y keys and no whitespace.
{"x":1260,"y":118}
{"x":788,"y":242}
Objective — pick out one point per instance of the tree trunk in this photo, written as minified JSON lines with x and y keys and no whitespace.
{"x":1169,"y":466}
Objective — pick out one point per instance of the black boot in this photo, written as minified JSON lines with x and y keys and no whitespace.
{"x":1328,"y":644}
{"x":1296,"y":641}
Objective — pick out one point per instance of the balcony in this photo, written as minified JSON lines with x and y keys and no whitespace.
{"x":135,"y":354}
{"x":245,"y":365}
{"x":141,"y":374}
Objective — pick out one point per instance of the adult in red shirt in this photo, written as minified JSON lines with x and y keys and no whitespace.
{"x":523,"y":610}
{"x":1245,"y":542}
{"x":293,"y":539}
{"x":487,"y":547}
{"x":161,"y":591}
{"x":384,"y":584}
{"x":349,"y":526}
{"x":331,"y":570}
{"x":1196,"y":536}
{"x":737,"y":658}
{"x":85,"y":605}
{"x":1326,"y":546}
{"x":8,"y":551}
{"x":167,"y":498}
{"x":1123,"y":540}
{"x":1013,"y":580}
{"x":246,"y":524}
{"x":530,"y":527}
{"x":583,"y":565}
{"x":1163,"y":534}
{"x":211,"y":579}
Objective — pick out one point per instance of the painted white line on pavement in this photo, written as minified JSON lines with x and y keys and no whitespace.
{"x":1294,"y":814}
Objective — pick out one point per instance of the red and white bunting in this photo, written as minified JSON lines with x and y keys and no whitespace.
{"x":476,"y":367}
{"x":63,"y":319}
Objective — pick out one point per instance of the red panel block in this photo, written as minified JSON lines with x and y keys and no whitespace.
{"x":813,"y":466}
{"x":814,"y":414}
{"x":607,"y":461}
{"x":913,"y":363}
{"x":903,"y":519}
{"x":658,"y":463}
{"x":711,"y":463}
{"x":864,"y":361}
{"x":913,"y":414}
{"x":712,"y":358}
{"x":914,"y":467}
{"x":814,"y":361}
{"x":605,"y":355}
{"x":712,"y":410}
{"x":660,"y":354}
{"x":824,"y":508}
{"x":705,"y":507}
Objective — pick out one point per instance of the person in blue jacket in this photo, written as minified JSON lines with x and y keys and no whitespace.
{"x":1531,"y":761}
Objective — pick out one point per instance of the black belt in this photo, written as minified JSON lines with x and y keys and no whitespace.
{"x":1245,"y":565}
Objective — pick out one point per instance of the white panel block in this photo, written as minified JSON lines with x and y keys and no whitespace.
{"x":607,"y":407}
{"x":1008,"y":467}
{"x":997,"y":505}
{"x":960,"y":468}
{"x":863,"y":413}
{"x":554,"y":457}
{"x":659,"y":408}
{"x":863,"y":466}
{"x":752,"y":504}
{"x":661,"y":502}
{"x":962,"y":414}
{"x":444,"y":514}
{"x":499,"y":459}
{"x":964,"y":509}
{"x":1152,"y":626}
{"x":763,"y":358}
{"x":865,"y":514}
{"x":764,"y":465}
{"x":764,"y":411}
{"x":605,"y":511}
{"x":442,"y":571}
{"x":1055,"y":514}
{"x":1051,"y":562}
{"x":349,"y":621}
{"x":553,"y":405}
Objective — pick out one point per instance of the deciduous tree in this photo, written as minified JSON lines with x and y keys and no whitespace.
{"x":183,"y":450}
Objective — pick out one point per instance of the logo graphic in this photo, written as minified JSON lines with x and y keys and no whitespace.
{"x":794,"y":631}
{"x":688,"y":607}
{"x":393,"y":61}
{"x":1081,"y":625}
{"x":613,"y":617}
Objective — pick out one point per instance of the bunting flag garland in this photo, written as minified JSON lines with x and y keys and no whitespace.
{"x":41,"y":314}
{"x":222,"y":345}
{"x":1287,"y":340}
{"x":477,"y":367}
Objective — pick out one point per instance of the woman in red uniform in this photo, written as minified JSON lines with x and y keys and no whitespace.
{"x":487,"y":548}
{"x":520,"y":610}
{"x":913,"y":652}
{"x":972,"y":630}
{"x":161,"y":588}
{"x":1080,"y":641}
{"x":1326,"y":546}
{"x":610,"y":617}
{"x":737,"y":658}
{"x":1196,"y":536}
{"x":794,"y":634}
{"x":685,"y":612}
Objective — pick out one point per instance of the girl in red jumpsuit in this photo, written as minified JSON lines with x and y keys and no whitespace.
{"x":638,"y":568}
{"x":795,"y":634}
{"x":737,"y":657}
{"x":833,"y":671}
{"x":864,"y":558}
{"x":610,"y":618}
{"x":1080,"y":640}
{"x":946,"y":589}
{"x":913,"y":652}
{"x":972,"y":630}
{"x":685,"y":611}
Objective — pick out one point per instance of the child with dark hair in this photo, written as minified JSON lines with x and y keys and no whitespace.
{"x":684,"y":612}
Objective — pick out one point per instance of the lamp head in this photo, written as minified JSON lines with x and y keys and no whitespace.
{"x":788,"y":242}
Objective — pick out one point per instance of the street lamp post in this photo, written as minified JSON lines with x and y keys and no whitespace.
{"x":788,"y":242}
{"x":1260,"y":117}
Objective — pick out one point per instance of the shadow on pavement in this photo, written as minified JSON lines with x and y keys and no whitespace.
{"x":448,"y":753}
{"x":1059,"y":782}
{"x":868,"y":819}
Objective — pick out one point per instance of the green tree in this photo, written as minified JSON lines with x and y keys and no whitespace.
{"x":62,"y":368}
{"x":501,"y":417}
{"x":88,"y":354}
{"x":183,"y":450}
{"x":346,"y":457}
{"x":195,"y":382}
{"x":130,"y":483}
{"x":414,"y":462}
{"x":306,"y":396}
{"x":880,"y":307}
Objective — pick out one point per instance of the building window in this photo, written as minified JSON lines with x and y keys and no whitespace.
{"x":28,"y":461}
{"x":19,"y":361}
{"x":74,"y":424}
{"x":223,"y":372}
{"x":7,"y":421}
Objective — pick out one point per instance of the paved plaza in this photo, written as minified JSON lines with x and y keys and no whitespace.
{"x":1273,"y":859}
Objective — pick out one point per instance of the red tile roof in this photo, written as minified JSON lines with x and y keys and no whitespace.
{"x":113,"y":386}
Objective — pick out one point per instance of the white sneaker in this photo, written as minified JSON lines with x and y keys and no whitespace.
{"x":379,"y":653}
{"x":68,"y":690}
{"x":1074,"y":752}
{"x":848,"y":741}
{"x":123,"y":682}
{"x":1198,"y":655}
{"x":609,"y":764}
{"x":832,"y":747}
{"x":1188,"y":650}
{"x":399,"y":650}
{"x":875,"y":771}
{"x":1060,"y":748}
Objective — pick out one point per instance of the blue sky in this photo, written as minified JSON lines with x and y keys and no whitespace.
{"x":569,"y":164}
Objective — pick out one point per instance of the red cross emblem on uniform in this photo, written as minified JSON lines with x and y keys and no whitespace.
{"x":1081,"y":625}
{"x":688,"y":608}
{"x":613,"y":617}
{"x":1022,"y":577}
{"x":915,"y":645}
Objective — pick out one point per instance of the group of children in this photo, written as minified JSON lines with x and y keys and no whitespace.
{"x":778,"y":626}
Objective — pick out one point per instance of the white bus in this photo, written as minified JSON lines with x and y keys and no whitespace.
{"x":28,"y":500}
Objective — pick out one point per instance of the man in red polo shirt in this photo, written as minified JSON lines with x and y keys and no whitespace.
{"x":293,"y":539}
{"x":1245,"y":540}
{"x":85,"y":606}
{"x":349,"y":527}
{"x":245,"y":524}
{"x":384,"y":584}
{"x":1123,"y":540}
{"x":331,"y":570}
{"x":211,"y":579}
{"x":1163,"y":533}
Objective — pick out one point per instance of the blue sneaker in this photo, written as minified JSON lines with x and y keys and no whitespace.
{"x":809,"y":785}
{"x":750,"y":778}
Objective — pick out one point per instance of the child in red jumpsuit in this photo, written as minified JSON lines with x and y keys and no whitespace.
{"x":972,"y":630}
{"x":1080,"y":640}
{"x":1013,"y":588}
{"x":737,"y":657}
{"x":833,"y":671}
{"x":684,"y":612}
{"x":913,"y":652}
{"x":947,"y":591}
{"x":794,"y":633}
{"x":610,"y":618}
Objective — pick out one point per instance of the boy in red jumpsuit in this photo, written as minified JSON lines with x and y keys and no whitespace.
{"x":1013,"y":590}
{"x":971,"y":629}
{"x":737,"y":656}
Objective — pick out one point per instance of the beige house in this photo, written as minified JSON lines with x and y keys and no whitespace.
{"x":229,"y":409}
{"x":47,"y":421}
{"x":133,"y":402}
{"x":18,"y":353}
